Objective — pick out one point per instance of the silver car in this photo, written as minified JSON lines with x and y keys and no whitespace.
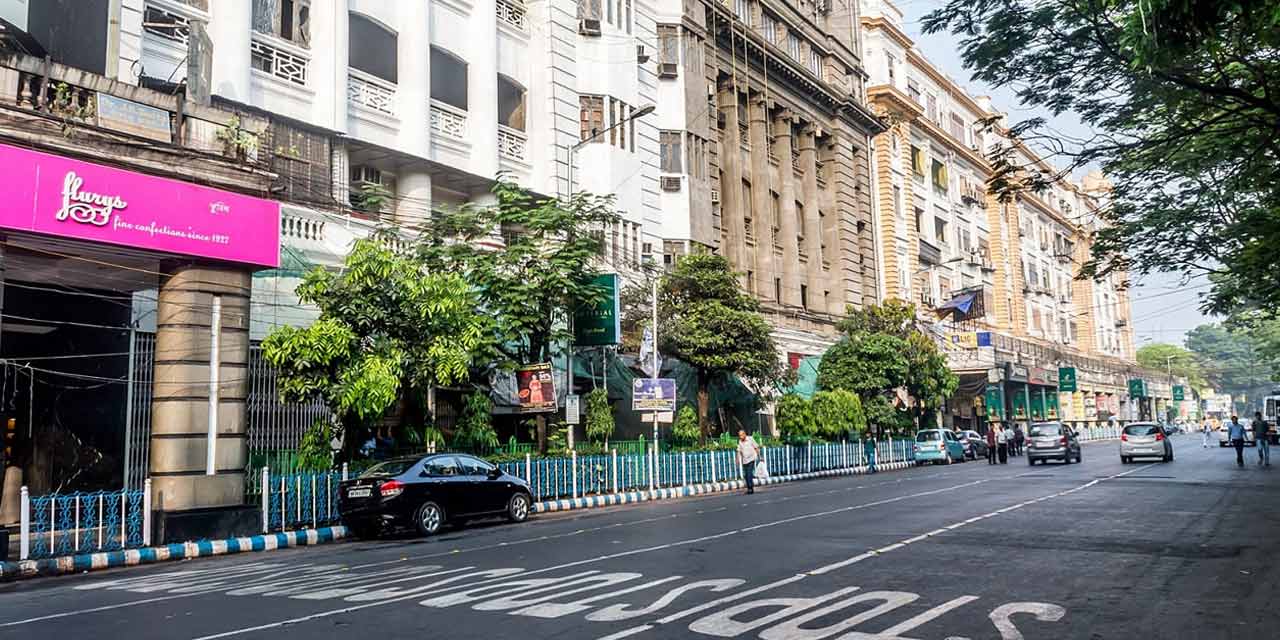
{"x":1052,"y":441}
{"x":1144,"y":440}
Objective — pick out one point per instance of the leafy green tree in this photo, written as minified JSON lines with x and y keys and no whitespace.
{"x":475,"y":426}
{"x":685,"y":431}
{"x":1180,"y":362}
{"x":795,"y":418}
{"x":599,"y":416}
{"x":1182,"y":98}
{"x":388,"y":330}
{"x":710,"y":323}
{"x":1235,"y":358}
{"x":314,"y":452}
{"x":838,"y":414}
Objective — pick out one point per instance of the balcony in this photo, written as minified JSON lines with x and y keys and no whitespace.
{"x":371,"y":92}
{"x":745,"y":137}
{"x":795,"y":161}
{"x":512,"y":144}
{"x":930,"y":254}
{"x":512,"y":13}
{"x":451,"y":122}
{"x":280,"y":59}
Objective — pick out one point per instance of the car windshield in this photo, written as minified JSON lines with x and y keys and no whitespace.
{"x":1141,"y":430}
{"x":928,"y":436}
{"x":1047,"y":429}
{"x":388,"y":468}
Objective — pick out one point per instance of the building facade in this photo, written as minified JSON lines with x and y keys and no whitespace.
{"x":764,"y":136}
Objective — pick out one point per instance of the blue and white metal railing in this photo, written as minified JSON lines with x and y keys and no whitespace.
{"x":83,"y":522}
{"x":300,"y":500}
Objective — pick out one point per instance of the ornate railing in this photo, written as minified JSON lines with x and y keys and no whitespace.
{"x":512,"y":143}
{"x":371,"y":92}
{"x":275,"y":59}
{"x":745,"y":136}
{"x":164,"y":22}
{"x":513,"y":13}
{"x":61,"y":524}
{"x":449,"y":121}
{"x":795,"y":162}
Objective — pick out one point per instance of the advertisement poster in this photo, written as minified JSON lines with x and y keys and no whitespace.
{"x":653,"y":394}
{"x":597,"y":324}
{"x":536,"y":388}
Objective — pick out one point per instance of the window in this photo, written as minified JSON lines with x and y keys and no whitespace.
{"x":376,"y":54}
{"x":692,"y":50}
{"x":371,"y":191}
{"x":769,"y":27}
{"x":668,"y":44}
{"x":635,"y":241}
{"x":618,"y":14}
{"x":913,"y":91}
{"x":751,"y":281}
{"x":474,"y":467}
{"x":449,"y":79}
{"x":510,"y":103}
{"x":917,"y":160}
{"x":777,"y":289}
{"x":621,"y":128}
{"x":931,"y":107}
{"x":939,"y":229}
{"x":822,"y":235}
{"x":957,"y":128}
{"x":442,"y":466}
{"x":742,"y":8}
{"x":918,"y":216}
{"x":800,"y":225}
{"x":939,"y":176}
{"x":590,"y":10}
{"x":747,"y":227}
{"x":793,"y":46}
{"x":591,"y":116}
{"x":815,"y":62}
{"x":966,"y":242}
{"x":804,"y":296}
{"x":775,"y":217}
{"x":669,"y":151}
{"x":944,"y":286}
{"x":892,"y":63}
{"x":285,"y":19}
{"x":897,"y":201}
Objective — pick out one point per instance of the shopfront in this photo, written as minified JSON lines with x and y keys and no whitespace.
{"x":88,"y":254}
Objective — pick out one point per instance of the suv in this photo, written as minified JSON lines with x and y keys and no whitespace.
{"x":1145,"y":440}
{"x":1052,"y":441}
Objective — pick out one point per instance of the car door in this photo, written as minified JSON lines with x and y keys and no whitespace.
{"x":953,"y":445}
{"x":445,"y":484}
{"x":483,"y":494}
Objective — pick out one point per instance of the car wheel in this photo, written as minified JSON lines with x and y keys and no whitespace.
{"x":1079,"y":457}
{"x":1031,"y":462}
{"x":428,"y":518}
{"x":518,"y":507}
{"x":1124,"y":460}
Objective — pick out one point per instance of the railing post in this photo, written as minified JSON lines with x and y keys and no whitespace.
{"x":712,"y":455}
{"x":24,"y":528}
{"x":651,"y":467}
{"x":613,"y":464}
{"x":284,"y":502}
{"x":266,"y":495}
{"x":146,"y":512}
{"x":808,"y":457}
{"x":344,"y":472}
{"x":297,"y":501}
{"x":124,"y":519}
{"x":76,"y":535}
{"x":528,"y":468}
{"x":573,"y":461}
{"x":684,"y":468}
{"x":100,"y":526}
{"x":313,"y":501}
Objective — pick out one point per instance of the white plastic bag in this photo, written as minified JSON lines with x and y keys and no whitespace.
{"x":762,"y":471}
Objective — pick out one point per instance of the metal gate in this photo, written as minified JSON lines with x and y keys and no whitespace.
{"x":137,"y":425}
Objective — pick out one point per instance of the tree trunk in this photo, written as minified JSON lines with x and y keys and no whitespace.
{"x":541,"y":425}
{"x":704,"y":407}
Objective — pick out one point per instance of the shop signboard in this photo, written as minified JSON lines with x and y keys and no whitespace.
{"x":1043,"y":377}
{"x":1067,"y":379}
{"x":653,"y":394}
{"x":1178,"y":393}
{"x":1068,"y":408}
{"x":970,"y":339}
{"x":994,"y":401}
{"x":536,"y":388}
{"x":596,"y":322}
{"x":57,"y":196}
{"x":1016,"y":372}
{"x":1137,"y":388}
{"x":133,"y":117}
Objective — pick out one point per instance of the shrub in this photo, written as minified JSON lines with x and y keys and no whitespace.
{"x":599,"y":416}
{"x":838,"y":414}
{"x":795,"y":417}
{"x":685,"y":431}
{"x":475,"y":427}
{"x":314,"y":452}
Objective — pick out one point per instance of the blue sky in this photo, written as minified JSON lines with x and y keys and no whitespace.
{"x":1164,"y":307}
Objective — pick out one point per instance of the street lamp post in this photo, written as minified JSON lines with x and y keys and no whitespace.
{"x":573,"y":151}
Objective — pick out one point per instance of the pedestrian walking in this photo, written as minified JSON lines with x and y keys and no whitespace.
{"x":1002,"y":444}
{"x":1235,"y":433}
{"x":1263,"y":441}
{"x":1207,"y":430}
{"x":748,"y":454}
{"x":869,"y":448}
{"x":1019,"y":439}
{"x":991,"y":442}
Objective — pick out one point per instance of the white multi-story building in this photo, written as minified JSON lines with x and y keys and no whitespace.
{"x":431,"y":99}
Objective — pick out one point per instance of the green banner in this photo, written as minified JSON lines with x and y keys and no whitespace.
{"x":597,"y":325}
{"x":994,"y":399}
{"x":1051,"y":406}
{"x":1178,"y":393}
{"x":1020,"y":403}
{"x":1137,"y":388}
{"x":1067,"y":379}
{"x":1037,"y":405}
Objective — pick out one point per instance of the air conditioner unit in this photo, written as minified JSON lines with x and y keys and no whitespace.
{"x":715,"y":196}
{"x":589,"y":27}
{"x":668,"y":70}
{"x":670,"y":183}
{"x":975,"y":258}
{"x":642,"y":56}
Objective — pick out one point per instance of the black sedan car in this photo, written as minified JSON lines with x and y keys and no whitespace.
{"x":427,"y":492}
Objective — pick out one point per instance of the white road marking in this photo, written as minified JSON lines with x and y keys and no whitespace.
{"x":1043,"y":611}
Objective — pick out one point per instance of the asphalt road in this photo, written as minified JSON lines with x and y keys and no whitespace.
{"x":1096,"y":550}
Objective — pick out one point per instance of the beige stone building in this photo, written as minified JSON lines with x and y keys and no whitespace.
{"x":764,"y":141}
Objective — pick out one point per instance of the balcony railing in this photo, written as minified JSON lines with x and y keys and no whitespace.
{"x":795,"y":162}
{"x":449,"y":121}
{"x":744,"y":136}
{"x":371,"y":92}
{"x":512,"y":143}
{"x":282,"y":61}
{"x":513,"y":13}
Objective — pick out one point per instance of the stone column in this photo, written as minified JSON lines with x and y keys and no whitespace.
{"x":180,"y":408}
{"x":230,"y":29}
{"x":482,"y":86}
{"x":820,"y":259}
{"x":761,"y":183}
{"x":732,"y":205}
{"x":413,"y":77}
{"x":413,"y":197}
{"x":789,"y":229}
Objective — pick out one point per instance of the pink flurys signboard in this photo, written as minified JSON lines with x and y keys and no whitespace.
{"x":59,"y":196}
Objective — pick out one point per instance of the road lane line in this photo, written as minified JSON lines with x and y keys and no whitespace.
{"x":898,"y":545}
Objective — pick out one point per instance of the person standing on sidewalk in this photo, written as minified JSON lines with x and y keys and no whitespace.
{"x":869,"y":449}
{"x":1235,"y":433}
{"x":991,"y":442}
{"x":748,"y":454}
{"x":1002,"y":445}
{"x":1262,"y":439}
{"x":1207,"y":430}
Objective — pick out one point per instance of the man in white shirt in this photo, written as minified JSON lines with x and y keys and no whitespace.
{"x":1002,"y":443}
{"x":748,"y":454}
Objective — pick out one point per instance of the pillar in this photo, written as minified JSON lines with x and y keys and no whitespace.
{"x":732,"y":205}
{"x":762,"y":182}
{"x":181,"y":404}
{"x":819,"y":258}
{"x":790,"y":244}
{"x":413,"y":196}
{"x":230,"y":29}
{"x":329,"y":65}
{"x":413,"y":78}
{"x":482,"y":86}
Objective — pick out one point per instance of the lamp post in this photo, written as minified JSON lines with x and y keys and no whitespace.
{"x":573,"y":152}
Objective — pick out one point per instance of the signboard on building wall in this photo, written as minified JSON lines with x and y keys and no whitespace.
{"x":596,"y":323}
{"x":969,"y":339}
{"x":1067,"y":379}
{"x":1016,"y":372}
{"x":1043,"y":377}
{"x":1137,"y":388}
{"x":133,"y":117}
{"x":1178,"y":393}
{"x":57,"y":196}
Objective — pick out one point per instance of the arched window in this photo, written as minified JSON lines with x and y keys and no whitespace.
{"x":448,"y":78}
{"x":373,"y":48}
{"x":510,"y":103}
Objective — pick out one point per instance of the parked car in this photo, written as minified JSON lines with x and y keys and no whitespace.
{"x":977,"y":444}
{"x":1145,"y":440}
{"x":427,"y":492}
{"x":938,"y":445}
{"x":1225,"y":430}
{"x":1052,"y":441}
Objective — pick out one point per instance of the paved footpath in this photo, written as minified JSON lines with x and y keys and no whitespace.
{"x":1095,"y":550}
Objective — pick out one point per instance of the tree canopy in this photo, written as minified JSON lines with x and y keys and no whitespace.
{"x":1181,"y":99}
{"x":1180,"y":362}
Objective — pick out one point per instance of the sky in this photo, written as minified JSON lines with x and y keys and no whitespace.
{"x":1164,"y":307}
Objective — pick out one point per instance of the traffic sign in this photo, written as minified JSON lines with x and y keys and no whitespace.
{"x":1178,"y":393}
